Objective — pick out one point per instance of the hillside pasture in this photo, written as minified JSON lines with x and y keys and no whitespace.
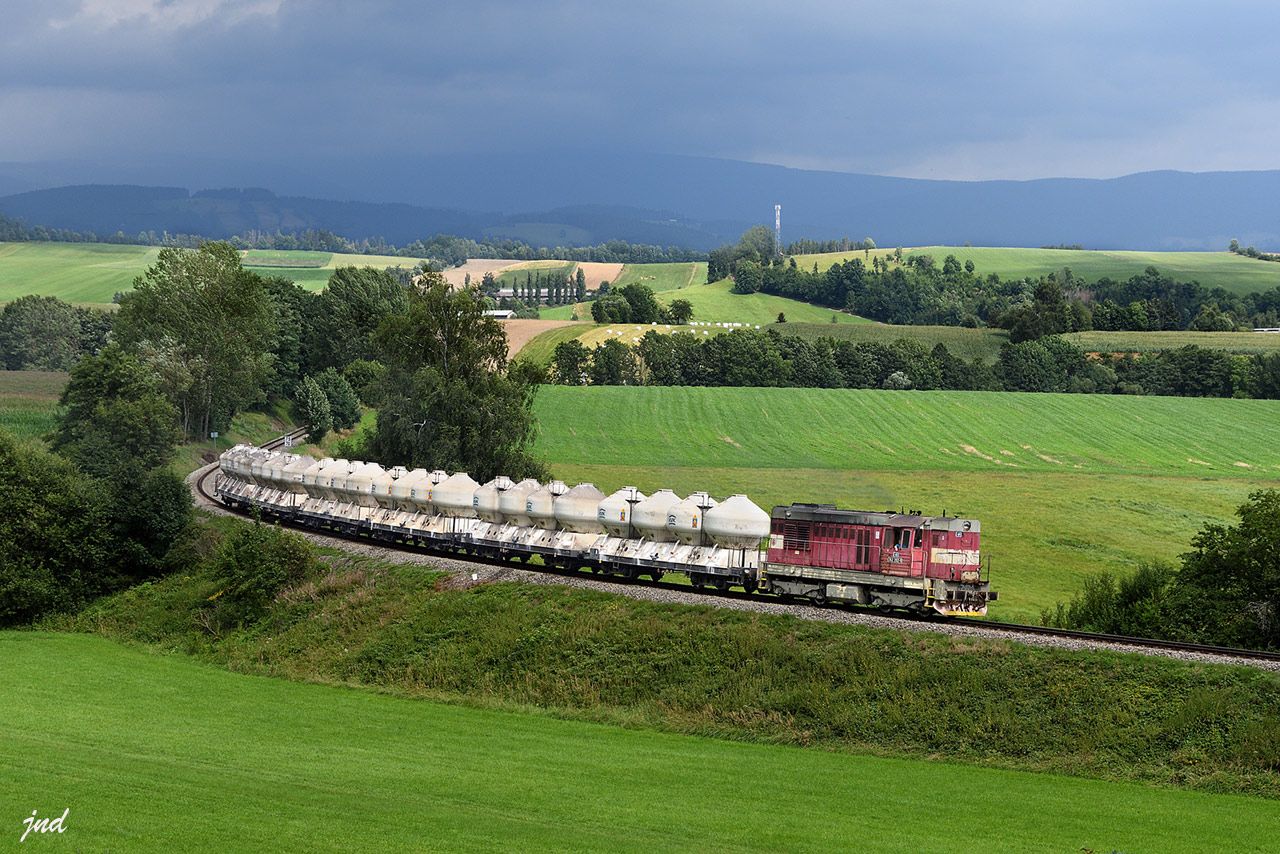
{"x":1065,"y":485}
{"x":1226,"y":270}
{"x":161,"y":753}
{"x":966,"y":343}
{"x":1145,"y":342}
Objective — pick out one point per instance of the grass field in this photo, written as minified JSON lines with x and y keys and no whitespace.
{"x":1065,"y":485}
{"x":518,"y":272}
{"x":82,"y":273}
{"x":29,"y":401}
{"x":159,"y":753}
{"x":92,"y":273}
{"x":1232,"y":272}
{"x":540,"y":349}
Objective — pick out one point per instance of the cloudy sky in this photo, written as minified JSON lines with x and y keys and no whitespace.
{"x":929,"y":89}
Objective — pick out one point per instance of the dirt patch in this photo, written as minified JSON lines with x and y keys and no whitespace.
{"x":521,"y":332}
{"x":1241,"y":465}
{"x":1198,"y":462}
{"x":476,"y":268}
{"x":1049,"y":459}
{"x":972,"y":451}
{"x":598,"y":271}
{"x":730,"y":441}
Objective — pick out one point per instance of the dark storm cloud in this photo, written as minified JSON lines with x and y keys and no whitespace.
{"x":937,"y":89}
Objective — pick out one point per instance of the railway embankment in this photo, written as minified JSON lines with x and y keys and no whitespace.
{"x":465,"y":633}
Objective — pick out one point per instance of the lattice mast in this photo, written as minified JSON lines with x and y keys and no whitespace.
{"x":777,"y":227}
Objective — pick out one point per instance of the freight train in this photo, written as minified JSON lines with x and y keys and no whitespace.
{"x":815,"y":552}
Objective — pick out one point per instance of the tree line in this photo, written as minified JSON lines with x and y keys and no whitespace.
{"x":768,"y":358}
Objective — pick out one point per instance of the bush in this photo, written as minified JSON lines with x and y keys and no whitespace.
{"x":344,"y":404}
{"x":313,"y":409}
{"x":255,"y":563}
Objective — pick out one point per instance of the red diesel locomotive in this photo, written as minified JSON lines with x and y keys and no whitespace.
{"x":887,"y":560}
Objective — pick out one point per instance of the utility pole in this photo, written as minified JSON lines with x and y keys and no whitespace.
{"x":777,"y":227}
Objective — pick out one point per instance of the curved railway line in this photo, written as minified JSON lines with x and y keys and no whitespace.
{"x":1269,"y":660}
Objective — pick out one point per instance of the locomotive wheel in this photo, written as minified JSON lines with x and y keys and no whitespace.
{"x":722,"y":585}
{"x":819,"y":598}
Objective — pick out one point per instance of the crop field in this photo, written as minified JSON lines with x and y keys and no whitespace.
{"x":285,"y":258}
{"x":159,"y":753}
{"x":1227,"y":270}
{"x":29,"y":401}
{"x":1143,"y":342}
{"x":518,"y":271}
{"x":1065,"y":485}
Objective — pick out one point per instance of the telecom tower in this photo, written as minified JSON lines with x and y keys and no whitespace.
{"x":777,"y":226}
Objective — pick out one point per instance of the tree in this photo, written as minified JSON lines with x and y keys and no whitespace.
{"x":344,"y":405}
{"x":297,"y":312}
{"x":643,"y":304}
{"x":115,"y":416}
{"x":313,"y":409}
{"x":352,"y":305}
{"x":748,"y":277}
{"x":570,"y":362}
{"x":450,"y":399}
{"x":46,"y":334}
{"x":364,"y":376}
{"x":489,"y":285}
{"x":681,"y":311}
{"x":613,"y":308}
{"x":579,"y":285}
{"x":613,"y":363}
{"x":214,"y":319}
{"x":54,"y":541}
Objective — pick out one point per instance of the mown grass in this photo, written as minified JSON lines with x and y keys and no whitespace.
{"x":657,"y":277}
{"x":285,"y":258}
{"x":29,"y":401}
{"x":159,"y":753}
{"x":517,"y":273}
{"x":1227,"y":270}
{"x":1065,"y":485}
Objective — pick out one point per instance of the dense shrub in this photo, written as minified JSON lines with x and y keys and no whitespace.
{"x":254,"y":563}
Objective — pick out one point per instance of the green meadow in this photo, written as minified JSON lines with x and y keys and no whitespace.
{"x":29,"y":401}
{"x":1227,"y":270}
{"x":1065,"y":485}
{"x":92,"y":273}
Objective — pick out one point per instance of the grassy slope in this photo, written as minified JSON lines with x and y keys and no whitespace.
{"x":160,"y":753}
{"x":85,"y":273}
{"x":1065,"y":485}
{"x":541,"y":347}
{"x":91,"y":273}
{"x":1212,"y":269}
{"x":29,"y":401}
{"x":1139,"y":342}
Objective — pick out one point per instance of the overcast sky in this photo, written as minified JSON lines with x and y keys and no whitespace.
{"x":929,"y":89}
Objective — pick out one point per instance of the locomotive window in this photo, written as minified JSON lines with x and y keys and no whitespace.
{"x":919,"y":537}
{"x":904,"y":538}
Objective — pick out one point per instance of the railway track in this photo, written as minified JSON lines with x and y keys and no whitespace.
{"x":1137,"y":643}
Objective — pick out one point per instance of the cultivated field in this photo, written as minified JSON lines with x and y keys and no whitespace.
{"x":1212,"y":269}
{"x":968,"y":344}
{"x":1143,"y":342}
{"x":1065,"y":485}
{"x":160,"y":753}
{"x":29,"y":401}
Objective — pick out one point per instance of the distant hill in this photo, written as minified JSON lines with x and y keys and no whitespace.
{"x":107,"y":209}
{"x":655,"y":198}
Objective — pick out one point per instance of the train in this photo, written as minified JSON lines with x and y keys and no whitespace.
{"x":813,"y":553}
